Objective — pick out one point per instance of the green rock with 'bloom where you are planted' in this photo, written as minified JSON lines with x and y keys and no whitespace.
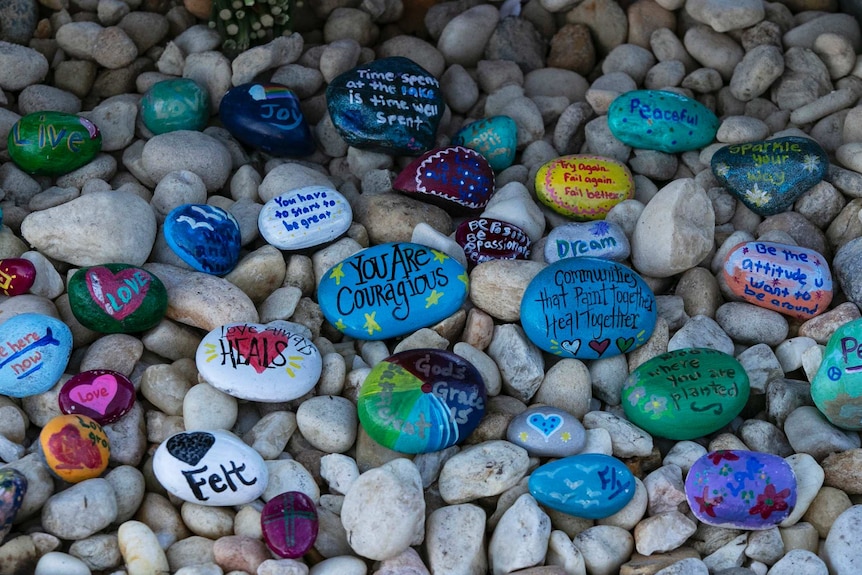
{"x":53,"y":143}
{"x":177,"y":104}
{"x":837,"y":387}
{"x":686,"y":393}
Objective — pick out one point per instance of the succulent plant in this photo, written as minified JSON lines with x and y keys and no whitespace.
{"x":246,"y":23}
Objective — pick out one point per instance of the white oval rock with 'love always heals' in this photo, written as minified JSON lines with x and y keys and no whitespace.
{"x":304,"y":218}
{"x":270,"y":363}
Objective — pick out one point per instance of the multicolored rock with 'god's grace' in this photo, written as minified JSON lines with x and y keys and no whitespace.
{"x":685,"y":393}
{"x":496,"y":138}
{"x":205,"y":237}
{"x":268,"y":363}
{"x":289,"y":524}
{"x":103,"y":395}
{"x":17,"y":276}
{"x":392,"y":289}
{"x":456,"y":178}
{"x":738,"y":489}
{"x":837,"y":387}
{"x":584,"y":187}
{"x":176,"y":104}
{"x":591,"y":485}
{"x":75,"y":447}
{"x":117,"y":298}
{"x":267,"y":117}
{"x":421,"y":400}
{"x":53,"y":143}
{"x":13,"y":488}
{"x":486,"y":239}
{"x":304,"y":218}
{"x":792,"y":280}
{"x":659,"y":120}
{"x":547,"y":431}
{"x":601,"y":239}
{"x":34,"y":352}
{"x":588,"y":308}
{"x":391,"y":105}
{"x":768,"y":176}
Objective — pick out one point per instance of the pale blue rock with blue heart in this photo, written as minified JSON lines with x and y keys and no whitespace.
{"x":659,"y":120}
{"x":591,"y":485}
{"x":496,"y":138}
{"x":205,"y":237}
{"x":34,"y":352}
{"x":392,"y":289}
{"x":588,"y":308}
{"x":547,"y":431}
{"x":599,"y":239}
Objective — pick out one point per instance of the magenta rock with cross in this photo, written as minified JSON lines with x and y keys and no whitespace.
{"x":289,"y":524}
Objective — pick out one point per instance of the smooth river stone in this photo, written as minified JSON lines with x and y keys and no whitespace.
{"x":421,"y":400}
{"x":16,"y":276}
{"x":205,"y":237}
{"x":685,"y":393}
{"x":588,"y":308}
{"x":34,"y":352}
{"x":455,"y":178}
{"x":392,"y":289}
{"x":738,"y":489}
{"x":792,"y":280}
{"x":304,"y":218}
{"x":13,"y":488}
{"x":584,"y":187}
{"x":75,"y":447}
{"x":591,"y":485}
{"x":268,"y":363}
{"x":769,"y":176}
{"x":101,"y":394}
{"x":267,"y":117}
{"x":289,"y":524}
{"x":53,"y":143}
{"x":486,"y":239}
{"x":546,"y":431}
{"x":117,"y":298}
{"x":496,"y":138}
{"x":659,"y":120}
{"x":837,"y":386}
{"x":177,"y":104}
{"x":601,"y":239}
{"x":210,"y":468}
{"x":391,"y":105}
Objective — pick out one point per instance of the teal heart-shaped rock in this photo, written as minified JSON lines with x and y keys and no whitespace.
{"x":13,"y":487}
{"x":768,"y":176}
{"x":205,"y":237}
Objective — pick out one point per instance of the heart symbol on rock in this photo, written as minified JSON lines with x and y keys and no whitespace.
{"x":547,"y":425}
{"x":624,"y":344}
{"x":571,"y":346}
{"x":258,"y":348}
{"x":190,"y":447}
{"x":600,"y":346}
{"x":119,"y":294}
{"x":97,"y":395}
{"x":73,"y":451}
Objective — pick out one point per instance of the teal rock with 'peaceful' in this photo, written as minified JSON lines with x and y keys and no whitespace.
{"x":178,"y":104}
{"x":53,"y":143}
{"x":496,"y":138}
{"x":664,"y":121}
{"x":837,"y":387}
{"x":686,"y":393}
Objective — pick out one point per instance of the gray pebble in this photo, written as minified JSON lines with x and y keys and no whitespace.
{"x":809,"y":432}
{"x":70,"y":514}
{"x":20,"y":67}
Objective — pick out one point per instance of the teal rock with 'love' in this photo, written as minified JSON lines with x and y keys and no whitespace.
{"x":686,"y":393}
{"x":659,"y":120}
{"x":496,"y":138}
{"x":53,"y":143}
{"x":837,"y":387}
{"x":391,"y":289}
{"x":588,"y":308}
{"x":177,"y":104}
{"x":117,"y":298}
{"x":590,"y":485}
{"x":601,"y":239}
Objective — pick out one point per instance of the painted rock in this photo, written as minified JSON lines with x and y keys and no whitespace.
{"x":546,"y":431}
{"x":741,"y":489}
{"x":304,"y":218}
{"x":837,"y":386}
{"x":686,"y":393}
{"x":117,"y":298}
{"x":13,"y":488}
{"x":496,"y":138}
{"x":267,"y":117}
{"x":392,"y":289}
{"x":289,"y":524}
{"x":101,"y":394}
{"x":392,"y":105}
{"x":584,"y":187}
{"x":659,"y":120}
{"x":34,"y":352}
{"x":205,"y":237}
{"x":792,"y":280}
{"x":455,"y":178}
{"x":588,"y":308}
{"x":486,"y":239}
{"x":16,"y":276}
{"x":177,"y":104}
{"x":768,"y":176}
{"x":75,"y":447}
{"x":591,"y":485}
{"x":601,"y":239}
{"x":210,"y":468}
{"x":259,"y":362}
{"x":53,"y":143}
{"x":421,"y":400}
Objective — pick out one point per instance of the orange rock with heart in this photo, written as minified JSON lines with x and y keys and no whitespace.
{"x":75,"y":447}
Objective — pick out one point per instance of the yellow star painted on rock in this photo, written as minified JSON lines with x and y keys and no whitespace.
{"x":337,"y":273}
{"x":340,"y":325}
{"x":466,"y":279}
{"x":439,"y":256}
{"x":566,"y":437}
{"x":371,"y":324}
{"x":523,"y":436}
{"x":433,"y":298}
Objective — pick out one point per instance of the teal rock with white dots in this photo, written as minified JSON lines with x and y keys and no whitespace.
{"x":837,"y":387}
{"x":664,"y":121}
